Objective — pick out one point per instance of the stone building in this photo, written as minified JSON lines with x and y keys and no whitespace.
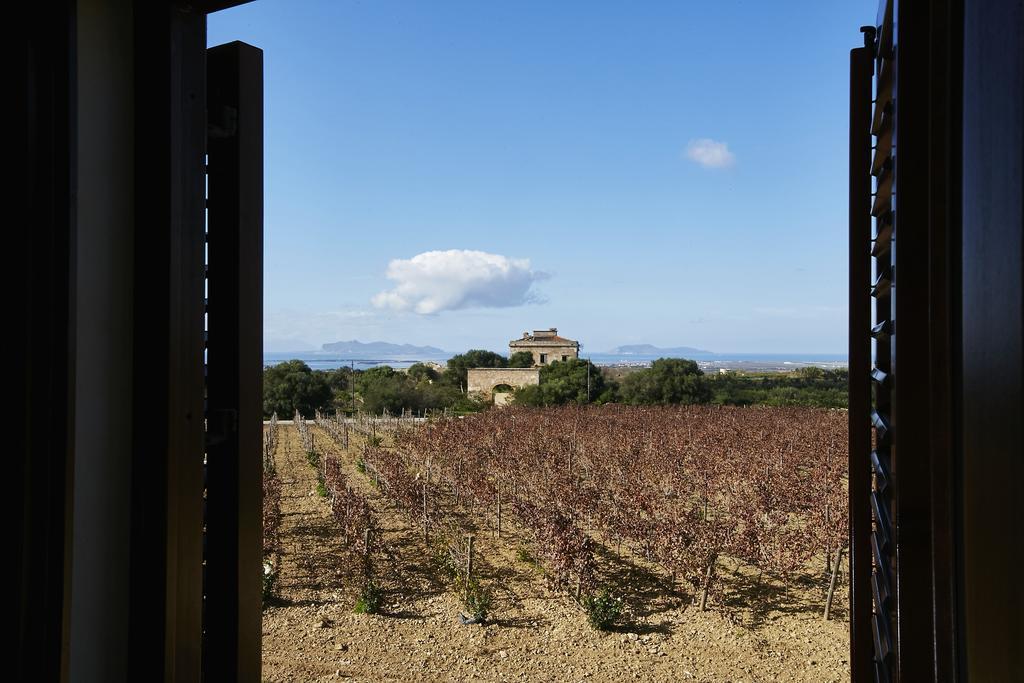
{"x":497,"y":384}
{"x":546,"y":346}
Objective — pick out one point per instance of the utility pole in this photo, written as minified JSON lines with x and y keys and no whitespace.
{"x":588,"y":380}
{"x":588,"y":376}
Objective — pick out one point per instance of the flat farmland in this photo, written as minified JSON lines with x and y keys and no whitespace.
{"x":691,"y":543}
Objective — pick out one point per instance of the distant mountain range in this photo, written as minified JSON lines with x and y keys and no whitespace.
{"x":379,"y":350}
{"x":651,"y":350}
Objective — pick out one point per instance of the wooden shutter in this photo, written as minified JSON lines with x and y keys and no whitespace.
{"x":232,"y":623}
{"x":883,"y":332}
{"x":872,"y":334}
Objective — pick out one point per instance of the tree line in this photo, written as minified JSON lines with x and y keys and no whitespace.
{"x":677,"y":381}
{"x":293,"y":386}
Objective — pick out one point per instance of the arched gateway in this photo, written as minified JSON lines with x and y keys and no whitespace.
{"x":496,"y":383}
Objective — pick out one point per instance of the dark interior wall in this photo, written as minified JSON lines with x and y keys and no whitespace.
{"x":103,"y":385}
{"x":40,"y":275}
{"x":993,"y":340}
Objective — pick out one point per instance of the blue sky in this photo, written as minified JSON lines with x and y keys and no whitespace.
{"x":453,"y":173}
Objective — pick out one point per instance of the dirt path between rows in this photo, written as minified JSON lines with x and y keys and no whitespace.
{"x":311,"y":634}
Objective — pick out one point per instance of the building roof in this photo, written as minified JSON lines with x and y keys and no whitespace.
{"x":543,"y":338}
{"x":547,"y":341}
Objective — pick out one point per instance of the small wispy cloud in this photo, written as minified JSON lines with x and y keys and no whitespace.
{"x":436,"y":281}
{"x":804,"y":312}
{"x":710,"y":153}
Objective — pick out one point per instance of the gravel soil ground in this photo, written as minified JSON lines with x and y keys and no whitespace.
{"x":310,"y":632}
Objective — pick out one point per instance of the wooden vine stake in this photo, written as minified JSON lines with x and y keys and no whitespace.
{"x":708,"y":578}
{"x":366,"y":553}
{"x":426,"y":522}
{"x":469,"y":563}
{"x":832,"y":584}
{"x":499,"y":513}
{"x":828,"y":549}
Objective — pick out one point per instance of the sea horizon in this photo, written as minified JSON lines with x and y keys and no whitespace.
{"x":326,"y":360}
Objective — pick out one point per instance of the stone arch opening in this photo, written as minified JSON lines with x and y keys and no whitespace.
{"x":502,"y":394}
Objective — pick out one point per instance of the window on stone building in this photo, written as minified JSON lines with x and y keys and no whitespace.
{"x":543,"y":358}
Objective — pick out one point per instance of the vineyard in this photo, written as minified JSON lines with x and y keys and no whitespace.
{"x":271,"y":508}
{"x":615,"y":515}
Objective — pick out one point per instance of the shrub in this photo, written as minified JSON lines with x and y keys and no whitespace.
{"x":477,"y":599}
{"x":369,"y":599}
{"x":523,"y":555}
{"x":313,"y":458}
{"x":442,"y":559}
{"x":602,"y":609}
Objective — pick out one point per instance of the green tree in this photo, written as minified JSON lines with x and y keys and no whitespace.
{"x":667,"y":381}
{"x":521,"y":359}
{"x":813,"y":387}
{"x":292,"y":386}
{"x":393,"y":392}
{"x":459,"y":365}
{"x":367,"y":379}
{"x":565,"y":382}
{"x":439,"y":395}
{"x":421,"y":372}
{"x":531,"y":395}
{"x":811,"y":373}
{"x":340,"y":381}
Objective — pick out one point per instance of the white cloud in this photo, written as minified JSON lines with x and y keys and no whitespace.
{"x":710,"y":153}
{"x":436,"y":281}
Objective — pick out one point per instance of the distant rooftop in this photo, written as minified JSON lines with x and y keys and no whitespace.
{"x":548,"y":336}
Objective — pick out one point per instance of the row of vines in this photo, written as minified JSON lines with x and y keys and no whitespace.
{"x":271,"y":507}
{"x":687,"y":489}
{"x":351,"y":511}
{"x":682,"y":487}
{"x":446,"y":531}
